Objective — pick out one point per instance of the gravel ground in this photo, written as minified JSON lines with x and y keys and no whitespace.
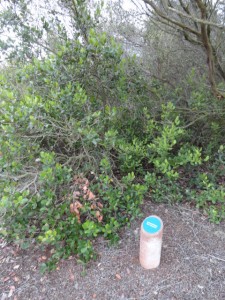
{"x":192,"y":265}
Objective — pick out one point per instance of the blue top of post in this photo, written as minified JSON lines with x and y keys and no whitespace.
{"x":152,"y":224}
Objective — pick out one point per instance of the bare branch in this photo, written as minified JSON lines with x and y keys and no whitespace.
{"x":200,"y":21}
{"x":170,"y":20}
{"x":199,"y":13}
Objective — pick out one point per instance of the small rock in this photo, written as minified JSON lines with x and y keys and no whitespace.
{"x":200,"y":287}
{"x":220,"y":234}
{"x":4,"y":296}
{"x":16,"y":267}
{"x":11,"y":291}
{"x":136,"y":231}
{"x":213,"y":261}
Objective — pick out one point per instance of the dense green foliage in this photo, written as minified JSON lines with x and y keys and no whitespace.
{"x":84,"y":136}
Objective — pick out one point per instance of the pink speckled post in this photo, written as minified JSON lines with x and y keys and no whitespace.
{"x":151,"y":242}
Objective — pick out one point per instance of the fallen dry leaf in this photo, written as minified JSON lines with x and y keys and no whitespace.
{"x":5,"y":279}
{"x":100,"y":205}
{"x":78,"y":204}
{"x":74,"y":208}
{"x":85,"y":188}
{"x":42,"y":258}
{"x":100,"y":218}
{"x":97,"y":214}
{"x":93,"y":206}
{"x":16,"y":279}
{"x":94,"y":296}
{"x":72,"y":277}
{"x":90,"y":195}
{"x":76,"y":194}
{"x":80,"y":180}
{"x":118,"y":276}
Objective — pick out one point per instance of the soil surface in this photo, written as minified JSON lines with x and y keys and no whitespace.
{"x":192,"y":265}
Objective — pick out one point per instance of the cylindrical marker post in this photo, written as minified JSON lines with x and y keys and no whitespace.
{"x":151,"y":242}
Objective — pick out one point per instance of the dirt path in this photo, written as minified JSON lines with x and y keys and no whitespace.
{"x":192,"y":266}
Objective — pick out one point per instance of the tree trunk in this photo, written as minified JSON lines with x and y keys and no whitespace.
{"x":209,"y":50}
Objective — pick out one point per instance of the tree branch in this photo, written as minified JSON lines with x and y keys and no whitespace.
{"x":170,"y":20}
{"x":200,"y":21}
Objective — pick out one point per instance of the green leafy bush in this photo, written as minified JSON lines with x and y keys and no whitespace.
{"x":52,"y":130}
{"x":210,"y":197}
